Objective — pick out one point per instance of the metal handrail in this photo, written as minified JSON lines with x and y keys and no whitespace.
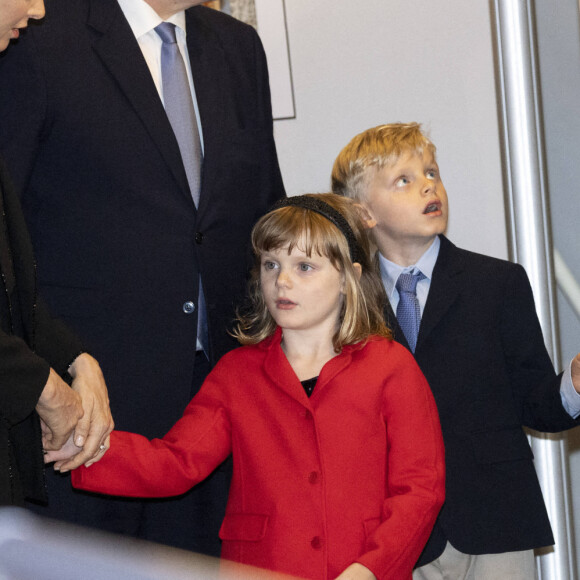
{"x":567,"y":282}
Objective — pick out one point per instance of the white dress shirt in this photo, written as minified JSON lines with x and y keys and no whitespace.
{"x":143,"y":20}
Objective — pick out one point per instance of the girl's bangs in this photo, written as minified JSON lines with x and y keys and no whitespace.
{"x":292,"y":227}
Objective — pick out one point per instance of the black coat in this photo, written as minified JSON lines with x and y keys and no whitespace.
{"x":481,"y":348}
{"x":30,"y":343}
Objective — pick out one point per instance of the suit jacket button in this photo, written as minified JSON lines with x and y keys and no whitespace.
{"x":313,"y":477}
{"x":198,"y":237}
{"x":188,"y":307}
{"x":316,"y":542}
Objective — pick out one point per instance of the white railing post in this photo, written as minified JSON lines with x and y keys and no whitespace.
{"x":529,"y":238}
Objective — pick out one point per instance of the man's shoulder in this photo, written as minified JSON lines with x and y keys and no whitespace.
{"x":220,"y":22}
{"x":67,"y":22}
{"x":60,"y":11}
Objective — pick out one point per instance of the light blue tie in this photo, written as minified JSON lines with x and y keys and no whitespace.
{"x":181,"y":114}
{"x":408,"y":309}
{"x":179,"y":106}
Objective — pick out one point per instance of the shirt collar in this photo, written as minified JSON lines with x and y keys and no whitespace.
{"x":142,"y":18}
{"x":390,"y":271}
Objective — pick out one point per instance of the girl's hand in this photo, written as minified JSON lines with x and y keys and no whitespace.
{"x":67,"y":453}
{"x":68,"y":450}
{"x":357,"y":572}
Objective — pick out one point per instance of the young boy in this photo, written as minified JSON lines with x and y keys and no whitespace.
{"x":471,"y":322}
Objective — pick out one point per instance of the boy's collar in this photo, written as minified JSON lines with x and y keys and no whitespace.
{"x":390,"y":271}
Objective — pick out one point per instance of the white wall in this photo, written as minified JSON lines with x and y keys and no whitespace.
{"x":357,"y":64}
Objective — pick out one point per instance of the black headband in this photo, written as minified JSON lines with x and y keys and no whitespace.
{"x":321,"y":207}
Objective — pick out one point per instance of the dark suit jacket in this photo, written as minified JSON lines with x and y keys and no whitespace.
{"x":29,"y":338}
{"x":119,"y":242}
{"x":481,"y":348}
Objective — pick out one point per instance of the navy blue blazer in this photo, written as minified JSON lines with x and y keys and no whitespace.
{"x":481,"y":349}
{"x":120,"y":244}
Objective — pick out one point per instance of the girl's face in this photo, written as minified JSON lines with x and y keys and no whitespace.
{"x":302,"y":293}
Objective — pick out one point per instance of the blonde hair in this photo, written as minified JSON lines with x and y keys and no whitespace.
{"x":372,"y":150}
{"x":362,"y":310}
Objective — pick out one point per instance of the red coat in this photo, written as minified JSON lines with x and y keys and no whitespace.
{"x":353,"y":474}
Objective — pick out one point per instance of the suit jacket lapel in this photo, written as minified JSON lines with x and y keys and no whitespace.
{"x":120,"y":53}
{"x":207,"y":67}
{"x":444,"y":289}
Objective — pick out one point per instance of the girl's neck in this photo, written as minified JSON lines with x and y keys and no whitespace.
{"x":307,"y":354}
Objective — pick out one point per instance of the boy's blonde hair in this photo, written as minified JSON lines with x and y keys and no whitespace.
{"x":294,"y":226}
{"x":372,"y":150}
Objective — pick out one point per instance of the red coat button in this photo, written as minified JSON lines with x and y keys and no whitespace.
{"x":313,"y":477}
{"x":316,"y":542}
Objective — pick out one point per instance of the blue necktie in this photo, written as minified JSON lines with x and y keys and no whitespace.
{"x":408,"y":309}
{"x":181,"y":114}
{"x":179,"y":106}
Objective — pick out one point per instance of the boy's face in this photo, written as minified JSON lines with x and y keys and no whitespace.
{"x":409,"y":204}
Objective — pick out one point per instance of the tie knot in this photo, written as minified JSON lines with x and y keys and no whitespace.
{"x":166,"y":31}
{"x":408,"y":281}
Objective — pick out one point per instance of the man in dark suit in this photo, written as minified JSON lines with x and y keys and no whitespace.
{"x":471,"y":322}
{"x":36,"y":351}
{"x":122,"y":239}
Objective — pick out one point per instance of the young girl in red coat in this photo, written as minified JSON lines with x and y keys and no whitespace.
{"x":338,"y":467}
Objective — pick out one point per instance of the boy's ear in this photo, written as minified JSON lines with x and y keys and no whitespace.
{"x":368,"y":220}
